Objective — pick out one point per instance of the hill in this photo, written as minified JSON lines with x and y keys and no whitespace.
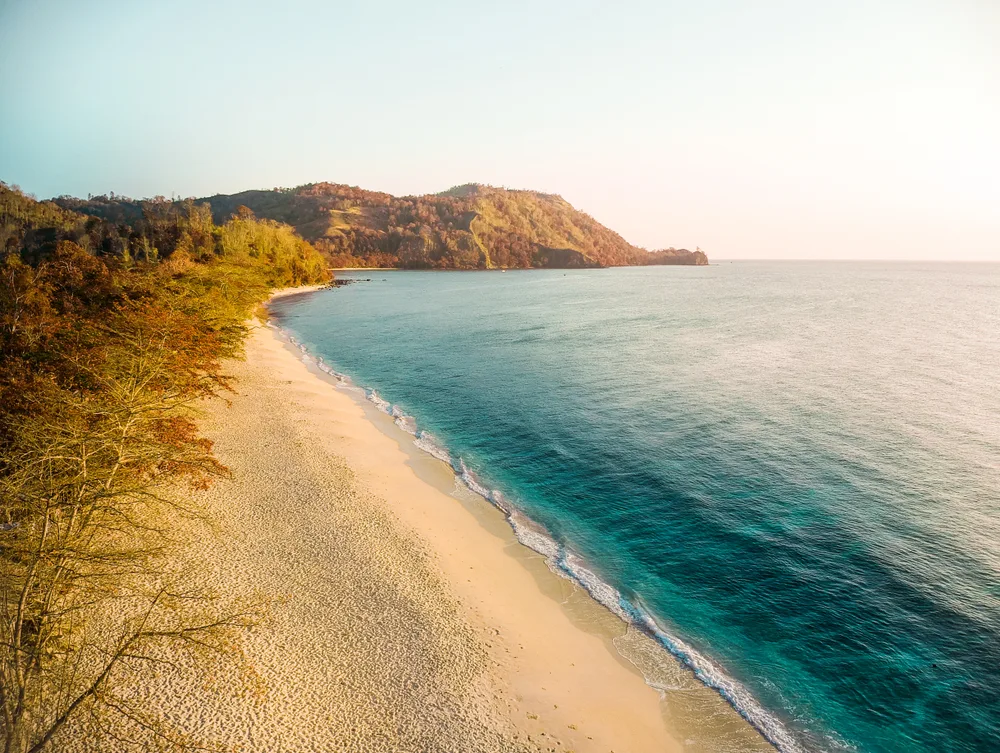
{"x":467,"y":227}
{"x":110,"y":333}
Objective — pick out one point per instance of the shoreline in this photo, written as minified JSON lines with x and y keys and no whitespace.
{"x":285,"y":293}
{"x":559,"y":682}
{"x":689,"y":715}
{"x":397,"y":609}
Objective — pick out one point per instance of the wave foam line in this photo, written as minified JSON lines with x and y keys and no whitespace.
{"x":568,"y":565}
{"x":710,"y":674}
{"x":403,"y":421}
{"x":426,"y":442}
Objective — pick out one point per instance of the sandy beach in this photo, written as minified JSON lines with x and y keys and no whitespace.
{"x":403,"y":615}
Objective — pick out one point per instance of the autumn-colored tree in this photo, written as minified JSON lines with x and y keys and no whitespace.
{"x":354,"y":227}
{"x":103,"y":355}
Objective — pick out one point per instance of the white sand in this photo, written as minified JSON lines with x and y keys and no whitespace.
{"x":402,"y":619}
{"x":406,"y":624}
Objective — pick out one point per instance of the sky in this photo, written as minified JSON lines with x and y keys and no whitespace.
{"x":754,"y":129}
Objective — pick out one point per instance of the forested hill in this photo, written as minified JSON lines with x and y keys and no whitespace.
{"x":467,"y":227}
{"x":110,"y":333}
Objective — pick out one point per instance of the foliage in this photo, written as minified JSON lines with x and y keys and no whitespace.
{"x":115,"y":316}
{"x":466,"y":227}
{"x":109,"y":334}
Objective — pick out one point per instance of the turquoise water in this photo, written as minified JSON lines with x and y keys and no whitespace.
{"x":789,"y":473}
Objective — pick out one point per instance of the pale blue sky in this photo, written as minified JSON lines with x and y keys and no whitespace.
{"x":761,"y":129}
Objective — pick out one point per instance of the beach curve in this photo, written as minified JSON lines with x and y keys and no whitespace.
{"x":400,"y":617}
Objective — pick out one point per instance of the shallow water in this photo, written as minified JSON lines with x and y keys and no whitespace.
{"x":789,"y":473}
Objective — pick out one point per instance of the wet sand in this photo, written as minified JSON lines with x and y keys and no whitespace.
{"x":404,"y":615}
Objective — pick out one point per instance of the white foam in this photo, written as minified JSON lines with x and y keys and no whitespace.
{"x":326,"y":369}
{"x":500,"y":502}
{"x":534,"y":538}
{"x":600,"y":591}
{"x":426,"y":442}
{"x":403,"y":421}
{"x":382,"y":405}
{"x":470,"y":480}
{"x":714,"y":677}
{"x":572,"y":567}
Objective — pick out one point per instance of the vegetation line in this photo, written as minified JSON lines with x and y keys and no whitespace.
{"x":110,"y":332}
{"x":115,"y":318}
{"x":466,"y":227}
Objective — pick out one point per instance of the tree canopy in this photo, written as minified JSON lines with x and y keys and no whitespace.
{"x":111,"y":328}
{"x":466,"y":227}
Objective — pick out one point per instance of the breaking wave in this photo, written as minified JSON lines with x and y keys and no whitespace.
{"x":569,"y":565}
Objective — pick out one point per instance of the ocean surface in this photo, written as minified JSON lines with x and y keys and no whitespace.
{"x":787,"y":473}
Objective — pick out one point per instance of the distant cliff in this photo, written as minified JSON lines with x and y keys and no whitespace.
{"x":468,"y":227}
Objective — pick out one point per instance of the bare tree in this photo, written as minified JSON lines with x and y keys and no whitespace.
{"x":89,"y":589}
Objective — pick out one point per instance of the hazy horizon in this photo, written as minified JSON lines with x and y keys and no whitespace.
{"x":774,"y":132}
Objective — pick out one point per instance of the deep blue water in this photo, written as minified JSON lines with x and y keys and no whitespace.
{"x":793,"y":467}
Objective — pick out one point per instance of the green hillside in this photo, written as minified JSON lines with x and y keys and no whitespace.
{"x":467,"y":227}
{"x":111,"y":332}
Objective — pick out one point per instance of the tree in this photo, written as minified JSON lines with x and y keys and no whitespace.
{"x":102,"y":359}
{"x":88,"y":590}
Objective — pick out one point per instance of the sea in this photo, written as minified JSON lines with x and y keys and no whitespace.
{"x":786,"y":473}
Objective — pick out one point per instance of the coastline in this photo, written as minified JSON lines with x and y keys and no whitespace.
{"x":575,"y":658}
{"x":285,"y":293}
{"x":402,"y":613}
{"x":555,"y":684}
